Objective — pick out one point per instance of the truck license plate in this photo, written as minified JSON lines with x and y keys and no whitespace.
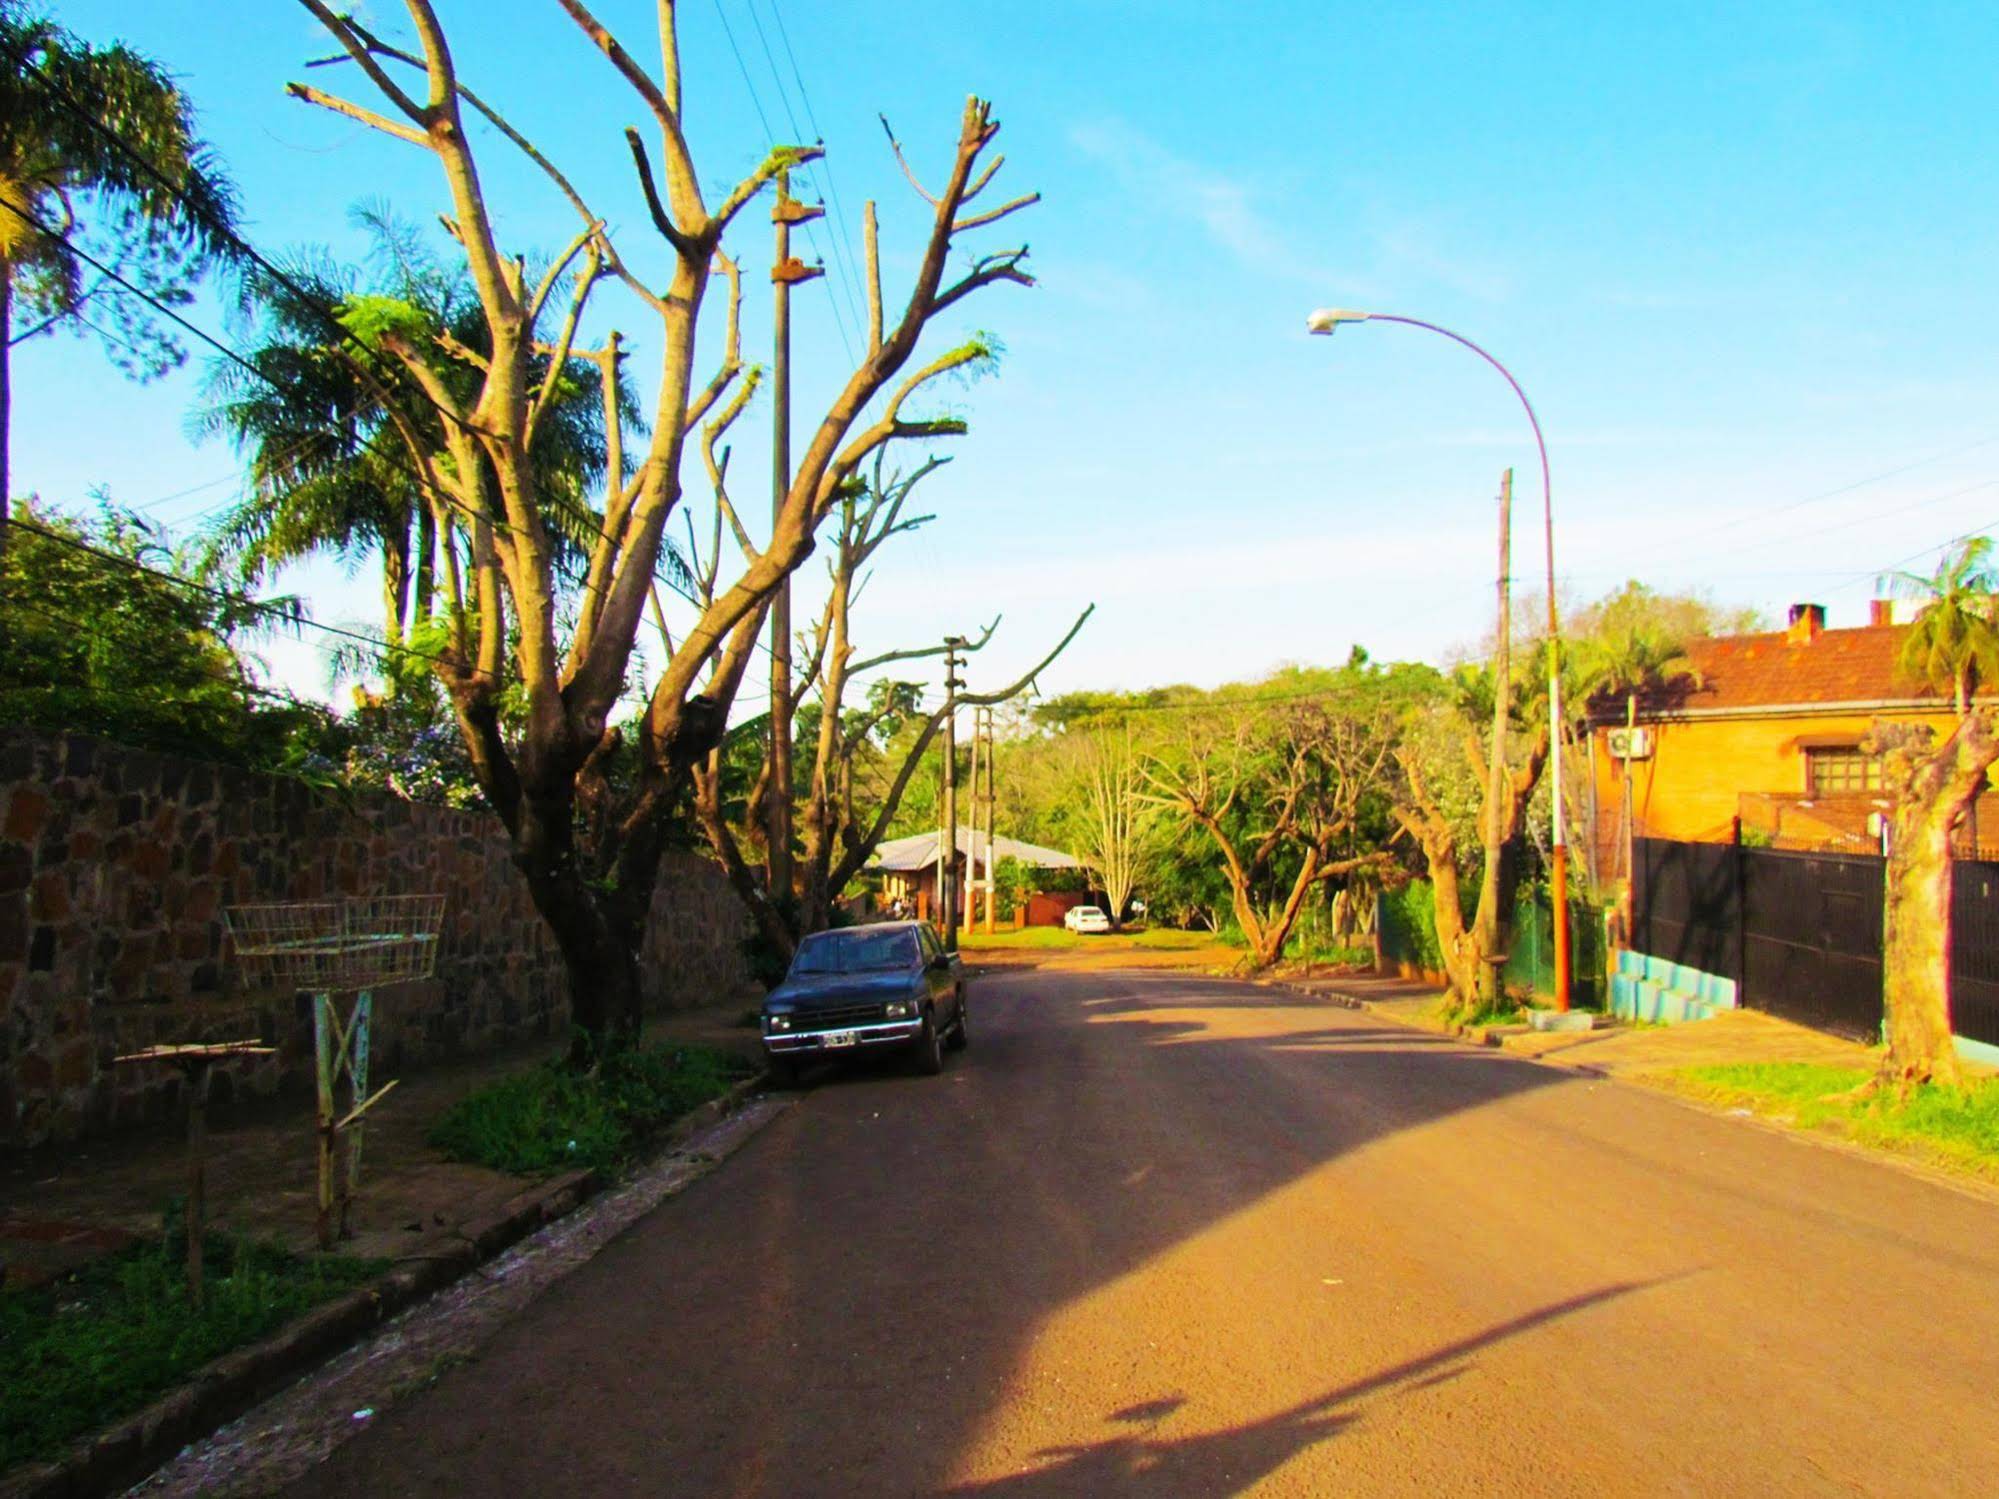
{"x":837,"y":1038}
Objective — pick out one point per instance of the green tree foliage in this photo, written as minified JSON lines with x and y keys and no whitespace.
{"x":325,"y":420}
{"x":101,"y":644}
{"x":1954,"y":643}
{"x":98,"y":150}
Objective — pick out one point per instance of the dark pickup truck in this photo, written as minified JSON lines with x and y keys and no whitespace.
{"x":865,"y":988}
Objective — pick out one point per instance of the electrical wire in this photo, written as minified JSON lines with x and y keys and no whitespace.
{"x":763,"y":119}
{"x":841,"y":260}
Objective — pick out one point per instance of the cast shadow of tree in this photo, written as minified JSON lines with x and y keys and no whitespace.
{"x":1221,"y":1462}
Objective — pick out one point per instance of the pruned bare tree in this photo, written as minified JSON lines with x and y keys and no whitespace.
{"x":1474,"y":955}
{"x":1114,"y":812}
{"x":566,"y":647}
{"x":845,"y":810}
{"x":1278,"y":788}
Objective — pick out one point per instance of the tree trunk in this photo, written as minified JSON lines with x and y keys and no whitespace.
{"x":395,"y":582}
{"x":1456,"y":946}
{"x":426,"y":566}
{"x":6,"y":402}
{"x":1932,"y":789}
{"x":605,"y":1003}
{"x":1915,"y":957}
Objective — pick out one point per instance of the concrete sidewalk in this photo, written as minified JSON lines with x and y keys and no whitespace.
{"x":61,"y":1207}
{"x":1617,"y":1050}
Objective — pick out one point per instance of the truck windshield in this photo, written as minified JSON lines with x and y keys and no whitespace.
{"x":855,"y":951}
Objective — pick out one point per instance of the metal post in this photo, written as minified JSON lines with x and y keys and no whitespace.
{"x":1559,"y":844}
{"x":785,"y":271}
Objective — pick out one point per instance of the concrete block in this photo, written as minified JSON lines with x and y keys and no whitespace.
{"x":1556,"y":1020}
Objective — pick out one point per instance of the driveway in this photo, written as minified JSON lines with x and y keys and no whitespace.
{"x":1168,"y":1235}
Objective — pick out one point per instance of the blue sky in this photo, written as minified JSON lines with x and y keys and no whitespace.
{"x":1741,"y":257}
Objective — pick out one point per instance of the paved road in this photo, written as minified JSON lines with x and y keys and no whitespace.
{"x":1170,"y":1236}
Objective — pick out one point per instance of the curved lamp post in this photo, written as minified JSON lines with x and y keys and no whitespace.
{"x":1327,"y":320}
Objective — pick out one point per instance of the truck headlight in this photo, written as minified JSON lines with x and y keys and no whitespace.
{"x":899,"y":1009}
{"x":777,"y":1022}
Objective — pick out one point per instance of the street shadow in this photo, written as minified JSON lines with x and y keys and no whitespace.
{"x":1229,"y":1461}
{"x":843,"y":1309}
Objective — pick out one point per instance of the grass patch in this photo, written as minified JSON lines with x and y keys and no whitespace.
{"x":551,"y":1118}
{"x":1940,"y":1125}
{"x":103,"y":1341}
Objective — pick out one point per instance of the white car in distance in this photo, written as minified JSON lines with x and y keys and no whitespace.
{"x":1086,"y":919}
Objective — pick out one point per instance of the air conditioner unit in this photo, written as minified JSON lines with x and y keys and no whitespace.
{"x":1630,"y":744}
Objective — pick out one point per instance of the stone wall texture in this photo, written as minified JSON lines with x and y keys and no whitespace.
{"x":115,"y":868}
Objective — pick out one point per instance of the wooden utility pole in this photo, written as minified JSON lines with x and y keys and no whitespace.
{"x":786,"y":271}
{"x":1497,"y":771}
{"x":992,"y":798}
{"x":947,"y":850}
{"x":972,"y":881}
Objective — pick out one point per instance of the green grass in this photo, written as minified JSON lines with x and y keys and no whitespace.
{"x":102,"y":1342}
{"x":1155,"y":938}
{"x":551,"y":1118}
{"x":1945,"y":1127}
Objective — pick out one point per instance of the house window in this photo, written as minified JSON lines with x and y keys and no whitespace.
{"x":1831,"y":771}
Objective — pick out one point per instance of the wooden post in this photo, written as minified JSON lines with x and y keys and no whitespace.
{"x":323,"y":1025}
{"x":784,"y":273}
{"x":947,"y":892}
{"x":992,"y":798}
{"x":197,"y":1173}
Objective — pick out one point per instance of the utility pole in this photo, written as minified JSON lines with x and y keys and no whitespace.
{"x":992,"y":799}
{"x":947,"y":851}
{"x":1497,"y":771}
{"x":972,"y":881}
{"x":786,"y":271}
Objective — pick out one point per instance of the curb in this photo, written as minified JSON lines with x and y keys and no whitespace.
{"x":1474,"y":1035}
{"x":117,"y":1456}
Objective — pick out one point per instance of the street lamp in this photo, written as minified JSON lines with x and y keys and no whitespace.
{"x":1327,"y":320}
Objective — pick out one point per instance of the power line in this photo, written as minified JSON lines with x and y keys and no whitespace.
{"x":842,"y":260}
{"x":235,"y":682}
{"x":1829,"y":494}
{"x":239,"y":600}
{"x":763,"y":119}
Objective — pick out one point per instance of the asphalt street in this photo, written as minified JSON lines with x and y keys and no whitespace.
{"x":1178,"y":1236}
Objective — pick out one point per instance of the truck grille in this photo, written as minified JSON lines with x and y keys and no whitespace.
{"x":837,"y":1018}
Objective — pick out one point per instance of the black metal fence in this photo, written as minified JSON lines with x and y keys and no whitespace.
{"x":1800,"y":933}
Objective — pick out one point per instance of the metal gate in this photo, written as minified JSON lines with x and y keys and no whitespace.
{"x":1800,"y":933}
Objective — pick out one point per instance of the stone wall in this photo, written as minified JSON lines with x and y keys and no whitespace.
{"x":115,"y":867}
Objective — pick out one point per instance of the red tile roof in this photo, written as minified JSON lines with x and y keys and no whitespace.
{"x":1772,"y":670}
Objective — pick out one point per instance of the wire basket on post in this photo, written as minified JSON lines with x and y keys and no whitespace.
{"x":330,"y":947}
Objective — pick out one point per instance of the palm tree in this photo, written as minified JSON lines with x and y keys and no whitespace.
{"x":316,"y":423}
{"x":1955,"y":641}
{"x":1629,"y":650}
{"x":98,"y":154}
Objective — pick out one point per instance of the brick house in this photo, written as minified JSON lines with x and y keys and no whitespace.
{"x":1768,"y":730}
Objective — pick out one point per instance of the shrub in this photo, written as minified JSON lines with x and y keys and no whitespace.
{"x":102,"y":1341}
{"x":552,"y":1117}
